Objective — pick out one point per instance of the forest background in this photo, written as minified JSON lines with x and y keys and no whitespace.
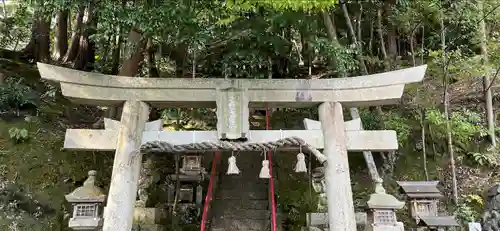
{"x":444,"y":125}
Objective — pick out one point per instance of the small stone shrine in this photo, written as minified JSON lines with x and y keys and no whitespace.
{"x":87,"y":201}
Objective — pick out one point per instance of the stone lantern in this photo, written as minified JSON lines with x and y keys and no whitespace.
{"x":191,"y":165}
{"x":87,"y":202}
{"x":382,"y":210}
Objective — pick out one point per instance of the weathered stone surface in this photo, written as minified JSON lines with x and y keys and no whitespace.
{"x":126,"y":168}
{"x":147,"y":216}
{"x":232,"y":114}
{"x":146,"y":179}
{"x":105,"y":140}
{"x":338,"y":181}
{"x":398,"y":227}
{"x":491,"y":215}
{"x":321,"y":219}
{"x":100,"y":89}
{"x":311,"y":228}
{"x":147,"y":228}
{"x":351,"y":125}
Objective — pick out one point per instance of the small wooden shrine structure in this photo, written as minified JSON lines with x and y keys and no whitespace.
{"x":134,"y":135}
{"x":423,"y":197}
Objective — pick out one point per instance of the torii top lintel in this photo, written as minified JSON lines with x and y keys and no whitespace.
{"x":100,"y":89}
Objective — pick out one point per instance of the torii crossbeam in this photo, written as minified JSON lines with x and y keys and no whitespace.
{"x":232,"y":98}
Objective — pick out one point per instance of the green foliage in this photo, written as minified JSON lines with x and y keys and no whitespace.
{"x":41,"y":173}
{"x":390,"y":121}
{"x":343,"y":59}
{"x":294,"y":195}
{"x":460,"y":64}
{"x":15,"y":95}
{"x":469,"y":209}
{"x":465,"y":126}
{"x":402,"y":126}
{"x":188,"y":120}
{"x":484,"y":159}
{"x":18,"y":134}
{"x":14,"y":29}
{"x":305,"y":5}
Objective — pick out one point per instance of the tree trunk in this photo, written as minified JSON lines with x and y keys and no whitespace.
{"x":152,"y":69}
{"x":28,"y":50}
{"x":330,"y":26}
{"x":380,"y":33}
{"x":370,"y":42}
{"x":358,"y":22}
{"x":392,"y":43}
{"x":85,"y":54}
{"x":447,"y":114}
{"x":362,"y":65}
{"x":412,"y":49}
{"x":61,"y":37}
{"x":423,"y":44}
{"x":116,"y":54}
{"x":4,"y":9}
{"x":72,"y":51}
{"x":38,"y":48}
{"x":488,"y":99}
{"x":43,"y":40}
{"x":130,"y":65}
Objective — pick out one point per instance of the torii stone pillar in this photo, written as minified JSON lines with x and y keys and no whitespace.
{"x":338,"y":181}
{"x":126,"y":168}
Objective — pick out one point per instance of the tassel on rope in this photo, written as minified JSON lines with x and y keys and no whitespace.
{"x":264,"y":171}
{"x":232,"y":169}
{"x":301,"y":162}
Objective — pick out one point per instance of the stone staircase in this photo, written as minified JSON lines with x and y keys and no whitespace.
{"x":241,"y":201}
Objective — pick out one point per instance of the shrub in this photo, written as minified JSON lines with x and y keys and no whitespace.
{"x":14,"y":95}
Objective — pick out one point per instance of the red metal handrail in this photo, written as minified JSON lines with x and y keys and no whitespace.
{"x":208,"y":197}
{"x":271,"y":180}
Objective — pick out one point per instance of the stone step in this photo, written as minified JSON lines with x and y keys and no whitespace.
{"x":246,"y":168}
{"x":243,"y":204}
{"x":242,"y":214}
{"x":242,"y":179}
{"x":237,"y":194}
{"x":240,"y":225}
{"x":243,"y":186}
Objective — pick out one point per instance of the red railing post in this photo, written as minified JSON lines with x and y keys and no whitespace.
{"x":271,"y":180}
{"x":208,"y":197}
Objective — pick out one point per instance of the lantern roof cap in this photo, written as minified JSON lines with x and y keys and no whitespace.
{"x":381,"y":200}
{"x":88,"y":192}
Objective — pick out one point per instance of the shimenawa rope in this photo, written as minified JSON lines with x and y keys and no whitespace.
{"x":162,"y":146}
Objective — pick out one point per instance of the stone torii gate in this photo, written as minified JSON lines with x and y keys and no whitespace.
{"x":232,"y":98}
